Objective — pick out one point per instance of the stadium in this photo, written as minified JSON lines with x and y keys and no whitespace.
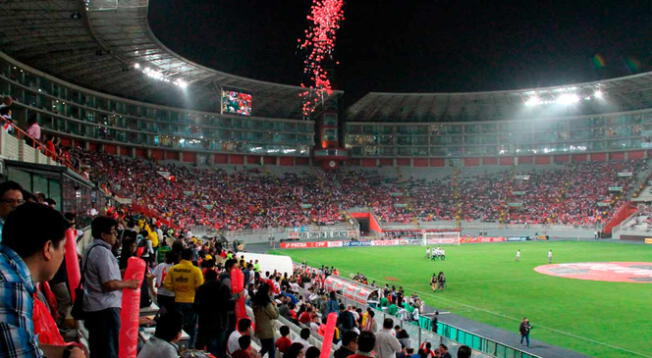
{"x":537,"y":202}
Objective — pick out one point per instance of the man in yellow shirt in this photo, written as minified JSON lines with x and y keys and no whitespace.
{"x":183,"y":279}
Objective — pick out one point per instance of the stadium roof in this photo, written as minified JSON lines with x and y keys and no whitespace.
{"x":96,"y":44}
{"x":620,"y":94}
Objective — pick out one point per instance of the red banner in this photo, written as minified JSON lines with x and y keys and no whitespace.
{"x":310,"y":244}
{"x":481,"y":239}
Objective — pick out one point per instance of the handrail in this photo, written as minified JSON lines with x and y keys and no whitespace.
{"x":42,"y":147}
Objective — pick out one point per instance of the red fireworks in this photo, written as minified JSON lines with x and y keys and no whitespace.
{"x":318,"y":44}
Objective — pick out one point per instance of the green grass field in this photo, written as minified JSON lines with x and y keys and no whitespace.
{"x":601,"y":319}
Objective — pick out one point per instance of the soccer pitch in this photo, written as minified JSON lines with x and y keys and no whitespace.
{"x":486,"y":284}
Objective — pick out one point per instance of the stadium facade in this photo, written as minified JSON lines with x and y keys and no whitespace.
{"x":95,"y":75}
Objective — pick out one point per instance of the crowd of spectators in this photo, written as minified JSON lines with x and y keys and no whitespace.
{"x":354,"y":322}
{"x":192,"y":286}
{"x":574,"y":194}
{"x":641,"y":221}
{"x":35,"y":305}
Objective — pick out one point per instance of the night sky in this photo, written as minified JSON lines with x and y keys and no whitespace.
{"x":419,"y":46}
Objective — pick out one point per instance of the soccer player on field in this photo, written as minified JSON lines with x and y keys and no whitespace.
{"x":518,"y":255}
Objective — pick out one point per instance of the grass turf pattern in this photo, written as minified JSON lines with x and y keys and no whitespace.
{"x":486,"y":284}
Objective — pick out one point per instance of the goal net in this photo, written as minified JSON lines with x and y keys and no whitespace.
{"x":441,"y":238}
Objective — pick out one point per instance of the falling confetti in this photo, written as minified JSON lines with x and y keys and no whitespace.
{"x":318,"y":45}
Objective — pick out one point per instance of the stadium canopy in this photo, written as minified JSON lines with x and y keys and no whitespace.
{"x":607,"y":96}
{"x":96,"y":44}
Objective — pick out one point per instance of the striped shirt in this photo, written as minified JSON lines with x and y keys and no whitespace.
{"x":17,"y":338}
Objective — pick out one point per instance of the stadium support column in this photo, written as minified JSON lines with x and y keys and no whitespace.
{"x":328,"y":151}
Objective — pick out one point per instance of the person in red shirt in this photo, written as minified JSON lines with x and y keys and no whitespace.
{"x":52,"y":150}
{"x":284,"y":342}
{"x":245,"y":351}
{"x":306,"y":316}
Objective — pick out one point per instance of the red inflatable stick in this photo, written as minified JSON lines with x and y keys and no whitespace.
{"x":237,"y":286}
{"x":327,"y":343}
{"x":72,"y":263}
{"x":130,"y":310}
{"x":44,"y":325}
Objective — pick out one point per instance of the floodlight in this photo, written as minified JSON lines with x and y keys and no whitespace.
{"x":533,"y":101}
{"x":181,"y":83}
{"x":598,"y":94}
{"x":568,"y":98}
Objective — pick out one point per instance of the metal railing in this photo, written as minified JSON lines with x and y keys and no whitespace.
{"x":422,"y":331}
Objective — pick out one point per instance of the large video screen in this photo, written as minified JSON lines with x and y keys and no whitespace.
{"x":236,"y":102}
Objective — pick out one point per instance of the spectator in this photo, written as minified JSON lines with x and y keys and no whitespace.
{"x":349,"y":345}
{"x":29,"y":254}
{"x":295,"y":351}
{"x":5,"y":117}
{"x":128,"y":250}
{"x":345,"y":320}
{"x":284,"y":308}
{"x":33,"y":130}
{"x":183,"y":279}
{"x":52,"y":150}
{"x":366,"y":344}
{"x":265,"y":313}
{"x":211,"y":301}
{"x":304,"y":335}
{"x":284,"y":342}
{"x":403,"y":337}
{"x":312,"y":352}
{"x":464,"y":352}
{"x":331,"y":305}
{"x":164,"y":297}
{"x":244,"y":327}
{"x":168,"y":332}
{"x":225,"y":278}
{"x":11,"y":196}
{"x":103,"y":285}
{"x":370,"y":321}
{"x":386,"y":344}
{"x":244,"y":349}
{"x":443,"y":351}
{"x":425,"y":351}
{"x":409,"y":353}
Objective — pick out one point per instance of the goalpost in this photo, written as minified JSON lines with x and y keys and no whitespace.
{"x":441,"y":238}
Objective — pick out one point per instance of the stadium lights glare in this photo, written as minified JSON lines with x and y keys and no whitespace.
{"x":181,"y":83}
{"x":533,"y":101}
{"x":562,"y":95}
{"x":159,"y":75}
{"x":567,"y":98}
